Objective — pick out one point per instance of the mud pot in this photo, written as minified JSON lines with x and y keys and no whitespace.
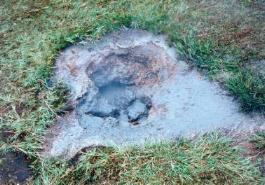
{"x":130,"y":88}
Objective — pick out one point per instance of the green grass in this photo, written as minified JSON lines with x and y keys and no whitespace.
{"x":208,"y":160}
{"x":219,"y":37}
{"x":259,"y":140}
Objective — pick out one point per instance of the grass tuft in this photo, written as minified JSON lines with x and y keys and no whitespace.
{"x":259,"y":140}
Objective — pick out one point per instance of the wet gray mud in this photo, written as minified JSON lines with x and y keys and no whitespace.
{"x":129,"y":88}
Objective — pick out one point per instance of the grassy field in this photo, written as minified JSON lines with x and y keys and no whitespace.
{"x":221,"y":38}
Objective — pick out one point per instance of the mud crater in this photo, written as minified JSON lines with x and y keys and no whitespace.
{"x":129,"y":88}
{"x":115,"y":83}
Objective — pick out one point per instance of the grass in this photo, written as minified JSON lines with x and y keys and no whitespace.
{"x":259,"y":140}
{"x":219,"y":37}
{"x":208,"y":160}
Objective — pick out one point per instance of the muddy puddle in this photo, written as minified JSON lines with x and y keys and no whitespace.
{"x":131,"y":88}
{"x":14,"y":166}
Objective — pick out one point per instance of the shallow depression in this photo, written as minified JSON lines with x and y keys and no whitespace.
{"x":129,"y":88}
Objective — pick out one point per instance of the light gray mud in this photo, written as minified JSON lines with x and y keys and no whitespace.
{"x":129,"y":88}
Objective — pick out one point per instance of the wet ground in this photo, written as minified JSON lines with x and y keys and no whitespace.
{"x":129,"y":88}
{"x":14,"y":166}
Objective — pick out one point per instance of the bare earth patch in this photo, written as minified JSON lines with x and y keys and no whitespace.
{"x":129,"y":88}
{"x":14,"y":166}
